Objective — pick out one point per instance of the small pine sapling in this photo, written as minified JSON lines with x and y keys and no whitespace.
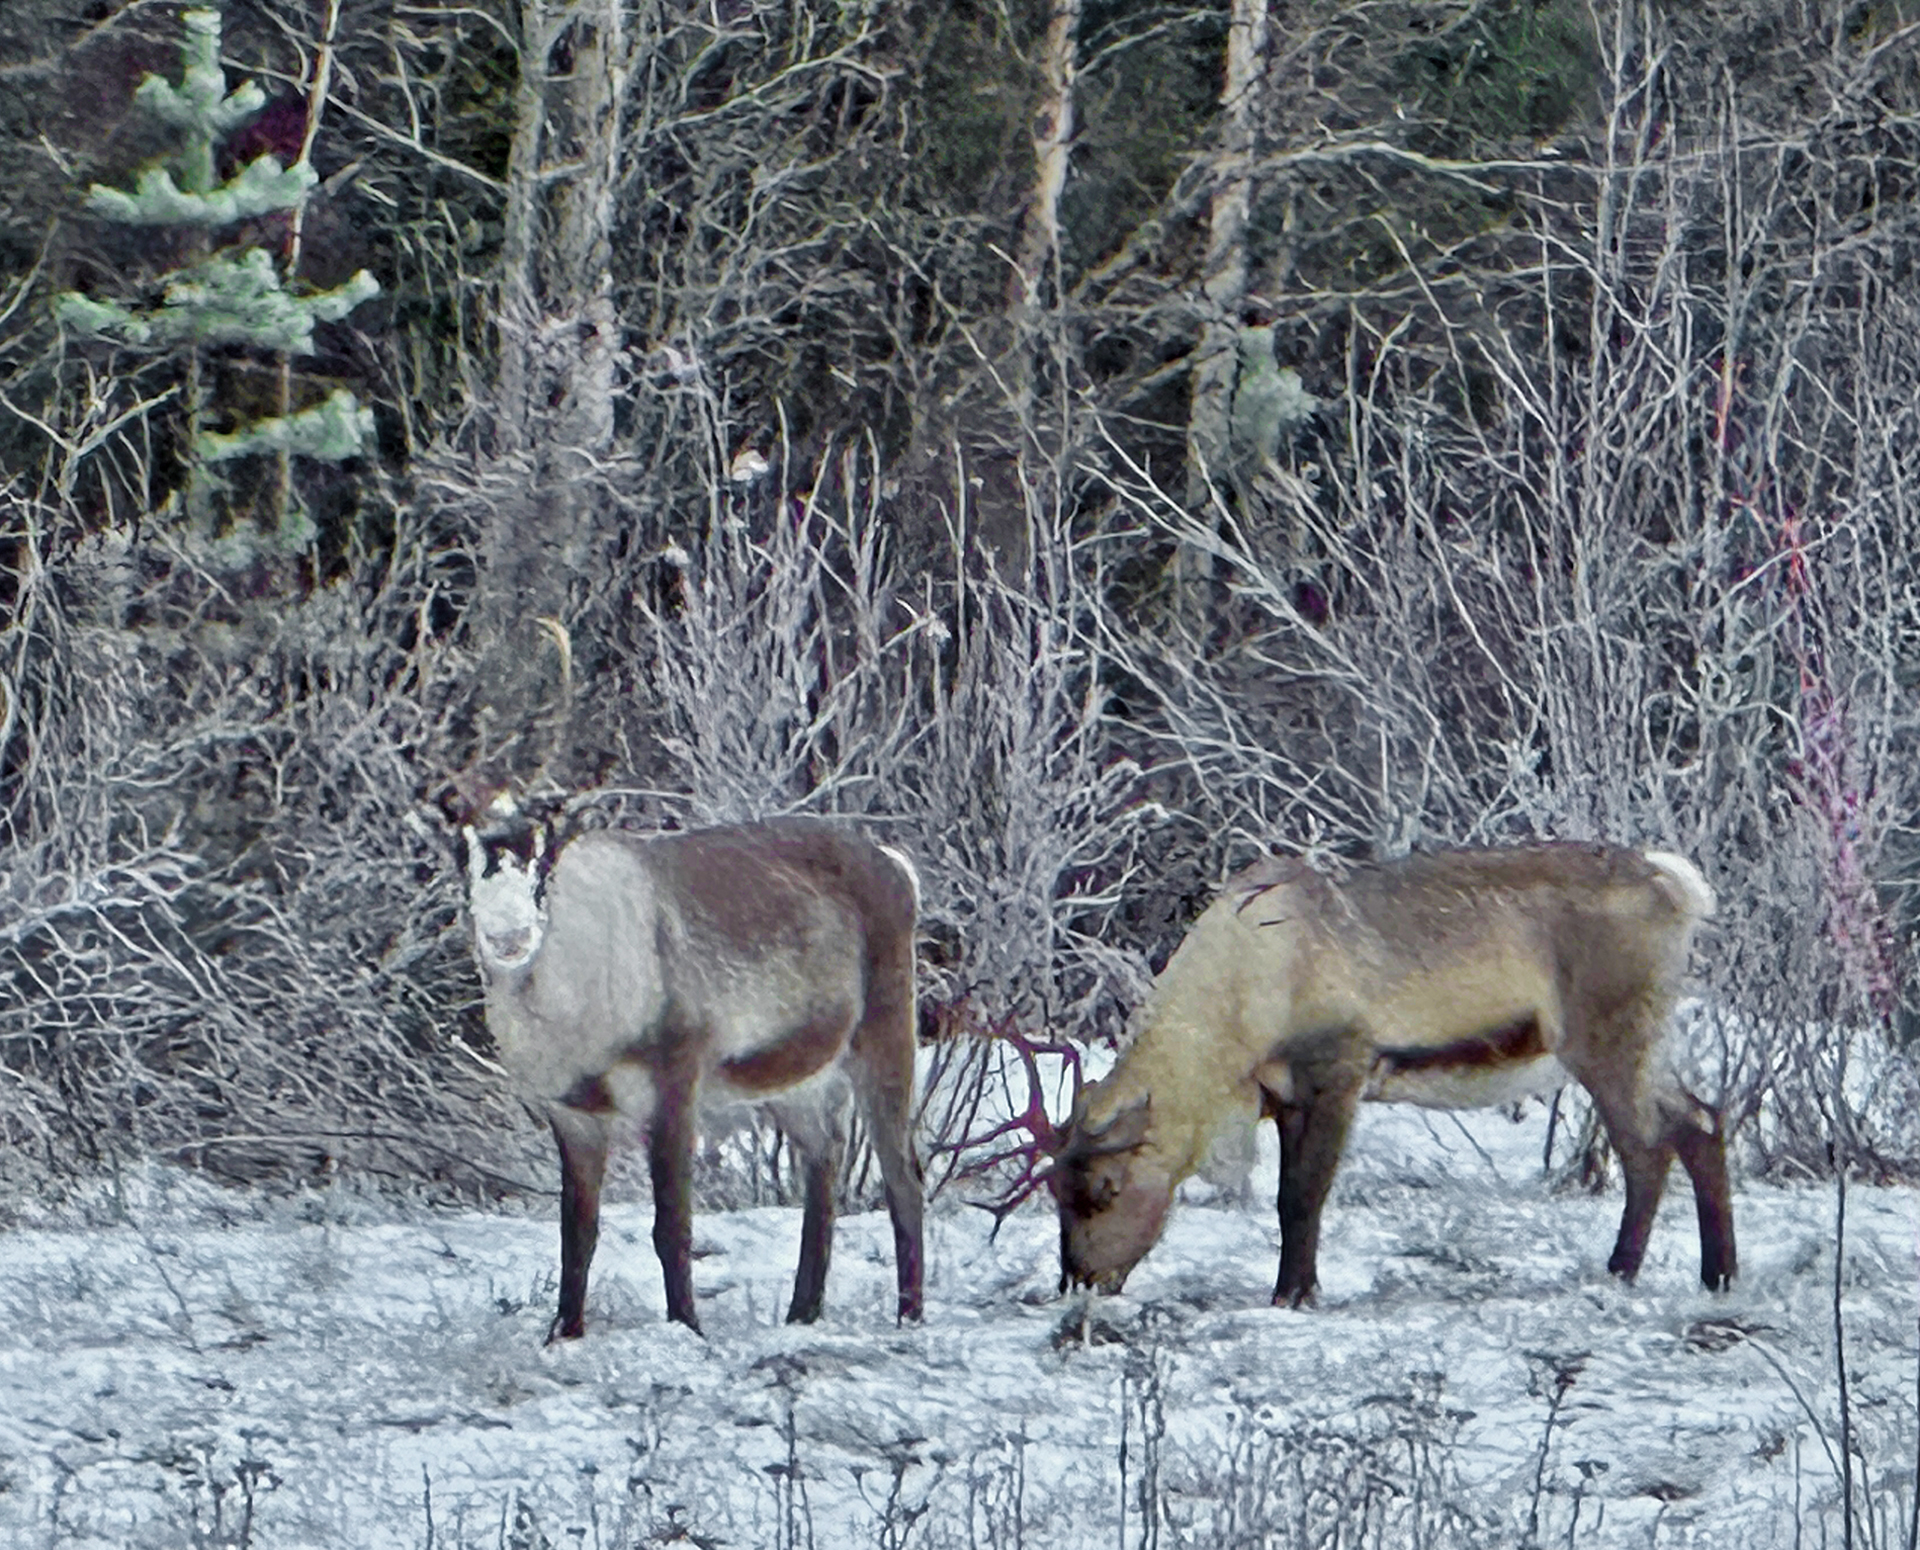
{"x":236,"y":297}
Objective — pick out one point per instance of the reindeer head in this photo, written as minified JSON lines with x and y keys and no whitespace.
{"x":1113,"y":1200}
{"x":508,"y":850}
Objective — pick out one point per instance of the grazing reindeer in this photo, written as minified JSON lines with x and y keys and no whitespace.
{"x":767,"y":964}
{"x":1454,"y":980}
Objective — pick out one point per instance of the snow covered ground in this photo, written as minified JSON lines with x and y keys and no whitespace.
{"x":213,"y":1369}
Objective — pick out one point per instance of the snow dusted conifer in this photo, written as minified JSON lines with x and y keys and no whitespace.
{"x":237,"y":297}
{"x":1270,"y":403}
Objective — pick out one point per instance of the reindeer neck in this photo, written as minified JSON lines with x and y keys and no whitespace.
{"x":1193,"y":1056}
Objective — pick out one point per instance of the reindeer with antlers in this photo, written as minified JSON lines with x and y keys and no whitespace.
{"x":1456,"y":979}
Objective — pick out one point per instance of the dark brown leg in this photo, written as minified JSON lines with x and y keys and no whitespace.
{"x":1645,"y":1168}
{"x":1313,"y":1133}
{"x":1609,"y":1055}
{"x":900,"y":1170}
{"x":1701,"y":1144}
{"x":883,"y":1048}
{"x":1644,"y":1165}
{"x":904,"y":1206}
{"x":670,"y":1161}
{"x":583,"y":1163}
{"x":822,"y":1149}
{"x":1296,"y":1256}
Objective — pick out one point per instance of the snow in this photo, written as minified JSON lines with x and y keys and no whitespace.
{"x":204,"y":1368}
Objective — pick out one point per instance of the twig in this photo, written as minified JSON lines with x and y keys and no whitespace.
{"x":1840,"y":1347}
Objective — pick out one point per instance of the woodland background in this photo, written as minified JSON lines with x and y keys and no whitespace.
{"x":1089,"y":444}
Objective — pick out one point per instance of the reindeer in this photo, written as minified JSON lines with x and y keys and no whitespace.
{"x":1456,"y":979}
{"x":768,"y":964}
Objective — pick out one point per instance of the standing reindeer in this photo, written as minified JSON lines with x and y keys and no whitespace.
{"x":768,"y":964}
{"x":1454,"y":980}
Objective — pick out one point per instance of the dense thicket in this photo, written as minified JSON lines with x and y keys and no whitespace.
{"x":1095,"y":441}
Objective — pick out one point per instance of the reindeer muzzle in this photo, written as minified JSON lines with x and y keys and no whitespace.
{"x":510,"y":949}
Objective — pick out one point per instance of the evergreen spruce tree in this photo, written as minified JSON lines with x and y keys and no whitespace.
{"x":235,"y":297}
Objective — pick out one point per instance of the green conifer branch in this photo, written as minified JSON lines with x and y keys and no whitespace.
{"x":235,"y":298}
{"x":222,"y":301}
{"x":1269,"y":400}
{"x":259,"y":188}
{"x":331,"y":432}
{"x":107,"y":319}
{"x":201,"y":104}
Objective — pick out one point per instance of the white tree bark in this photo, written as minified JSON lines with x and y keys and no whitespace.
{"x":1038,"y":253}
{"x":1224,"y":286}
{"x":1034,"y":288}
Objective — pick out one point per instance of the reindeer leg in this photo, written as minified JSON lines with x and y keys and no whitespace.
{"x":816,"y":1237}
{"x":900,"y":1171}
{"x":1644,"y":1164}
{"x":1697,"y":1136}
{"x":1608,"y":1055}
{"x":582,"y":1139}
{"x":670,"y":1161}
{"x":1645,"y":1168}
{"x":883,"y":1047}
{"x":1313,"y":1126}
{"x":821,"y":1141}
{"x":1297,"y":1253}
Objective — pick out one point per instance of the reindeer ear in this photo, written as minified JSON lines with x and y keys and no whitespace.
{"x":448,"y":806}
{"x":461,"y":799}
{"x":1129,"y":1127}
{"x":1124,"y":1130}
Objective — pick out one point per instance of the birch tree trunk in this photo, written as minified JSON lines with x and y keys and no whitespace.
{"x":1224,"y":282}
{"x":1037,"y":255}
{"x":1035,"y":288}
{"x":1223,"y":289}
{"x":554,"y":394}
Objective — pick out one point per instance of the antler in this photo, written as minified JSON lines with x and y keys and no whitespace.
{"x":1029,"y":1137}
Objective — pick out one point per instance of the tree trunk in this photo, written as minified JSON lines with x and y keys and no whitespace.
{"x":1038,"y":252}
{"x":1034,"y":290}
{"x":553,"y":411}
{"x":1224,"y":283}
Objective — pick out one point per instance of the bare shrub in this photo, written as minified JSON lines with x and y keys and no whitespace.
{"x":1030,"y":807}
{"x":1034,"y":830}
{"x":783,"y":669}
{"x":223,"y":942}
{"x":1382,"y":1477}
{"x":778,"y":670}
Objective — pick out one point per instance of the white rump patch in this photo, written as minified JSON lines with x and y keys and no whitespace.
{"x":1696,"y":897}
{"x":905,"y":862}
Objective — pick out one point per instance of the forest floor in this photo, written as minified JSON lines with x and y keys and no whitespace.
{"x":181,"y":1365}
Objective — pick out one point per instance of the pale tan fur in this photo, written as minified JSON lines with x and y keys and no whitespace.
{"x":1453,"y":980}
